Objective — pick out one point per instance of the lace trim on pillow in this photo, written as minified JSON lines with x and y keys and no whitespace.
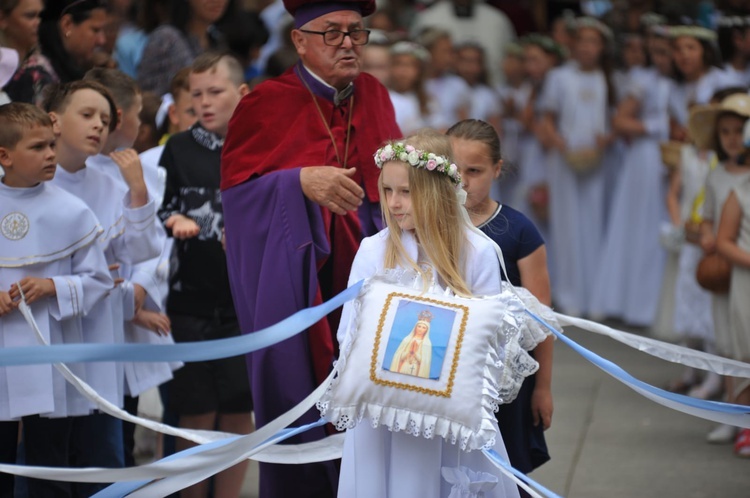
{"x":507,"y":365}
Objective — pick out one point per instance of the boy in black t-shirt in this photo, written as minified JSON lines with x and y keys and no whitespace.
{"x":211,"y":394}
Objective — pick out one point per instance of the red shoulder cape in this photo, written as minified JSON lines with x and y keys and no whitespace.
{"x":277,"y":127}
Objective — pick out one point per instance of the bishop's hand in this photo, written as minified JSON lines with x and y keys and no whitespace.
{"x":331,"y":187}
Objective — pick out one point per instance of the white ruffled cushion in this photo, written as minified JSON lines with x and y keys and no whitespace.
{"x":489,"y":366}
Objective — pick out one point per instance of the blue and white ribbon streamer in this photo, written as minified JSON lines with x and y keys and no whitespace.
{"x":185,"y":351}
{"x":736,"y":415}
{"x":663,"y":350}
{"x":224,"y":450}
{"x":527,"y":483}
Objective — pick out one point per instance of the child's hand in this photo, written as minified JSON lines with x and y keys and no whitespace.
{"x":139,"y":297}
{"x":541,"y":407}
{"x":182,"y":227}
{"x":153,"y":321}
{"x":112,"y":268}
{"x":132,"y":172}
{"x":708,"y":242}
{"x":604,"y":141}
{"x":6,"y":303}
{"x":33,"y":289}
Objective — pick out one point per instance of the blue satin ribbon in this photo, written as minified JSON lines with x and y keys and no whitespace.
{"x":499,"y":460}
{"x":122,"y":489}
{"x":620,"y":374}
{"x":185,"y":351}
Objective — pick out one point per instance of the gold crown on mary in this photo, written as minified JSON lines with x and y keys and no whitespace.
{"x":425,"y":316}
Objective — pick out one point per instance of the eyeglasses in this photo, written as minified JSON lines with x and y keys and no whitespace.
{"x":335,"y":37}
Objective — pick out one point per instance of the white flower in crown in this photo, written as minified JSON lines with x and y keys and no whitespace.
{"x":418,"y":159}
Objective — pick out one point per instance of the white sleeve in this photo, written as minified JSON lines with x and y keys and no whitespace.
{"x":144,"y":236}
{"x":153,"y":276}
{"x":551,"y":95}
{"x":484,"y":273}
{"x":88,"y":282}
{"x":127,"y":292}
{"x":365,"y":265}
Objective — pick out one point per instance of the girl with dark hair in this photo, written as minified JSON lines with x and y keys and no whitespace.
{"x":734,"y":43}
{"x":476,"y":149}
{"x":70,"y":36}
{"x":19,"y":27}
{"x":170,"y":47}
{"x":697,"y":70}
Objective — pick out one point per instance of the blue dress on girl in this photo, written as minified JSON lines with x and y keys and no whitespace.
{"x":518,"y":237}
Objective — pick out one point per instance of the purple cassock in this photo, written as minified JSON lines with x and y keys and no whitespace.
{"x":286,"y":253}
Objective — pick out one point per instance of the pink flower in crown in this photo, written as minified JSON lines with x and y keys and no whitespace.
{"x":431,"y":164}
{"x":409,"y":148}
{"x":384,"y":156}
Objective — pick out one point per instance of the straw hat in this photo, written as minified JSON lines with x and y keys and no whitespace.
{"x":702,"y":122}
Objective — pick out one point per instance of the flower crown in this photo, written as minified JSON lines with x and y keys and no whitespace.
{"x":419,"y":159}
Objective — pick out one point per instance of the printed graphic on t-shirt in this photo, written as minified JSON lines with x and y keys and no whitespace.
{"x":203,"y":205}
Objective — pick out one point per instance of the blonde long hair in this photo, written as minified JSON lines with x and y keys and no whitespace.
{"x":439,"y":226}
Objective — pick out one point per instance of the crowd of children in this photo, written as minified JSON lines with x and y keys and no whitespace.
{"x":625,"y":182}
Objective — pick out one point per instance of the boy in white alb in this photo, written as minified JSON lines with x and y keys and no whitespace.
{"x":85,"y":114}
{"x":49,"y":257}
{"x":145,"y":285}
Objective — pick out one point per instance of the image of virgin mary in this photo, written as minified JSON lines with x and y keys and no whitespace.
{"x":414,"y":354}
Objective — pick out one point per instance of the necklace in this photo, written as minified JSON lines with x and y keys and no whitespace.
{"x":325,"y":123}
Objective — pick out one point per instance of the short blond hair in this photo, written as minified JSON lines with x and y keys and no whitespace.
{"x":16,"y":118}
{"x":209,"y":61}
{"x":438,"y":223}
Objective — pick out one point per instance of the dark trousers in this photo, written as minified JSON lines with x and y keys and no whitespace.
{"x":8,"y":447}
{"x":128,"y":431}
{"x":95,"y":441}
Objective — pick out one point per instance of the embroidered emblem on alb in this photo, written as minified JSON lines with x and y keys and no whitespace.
{"x":15,"y":226}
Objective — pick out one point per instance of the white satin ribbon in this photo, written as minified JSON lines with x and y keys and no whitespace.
{"x":669,"y":352}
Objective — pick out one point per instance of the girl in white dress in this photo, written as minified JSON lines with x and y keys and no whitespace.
{"x":735,"y":52}
{"x":720,"y":128}
{"x":513,"y":96}
{"x":540,"y":55}
{"x":628,"y":280}
{"x":428,"y":234}
{"x":733,"y":242}
{"x":697,"y":79}
{"x":452,"y":93}
{"x":415,"y":108}
{"x":472,"y":67}
{"x":576,"y":100}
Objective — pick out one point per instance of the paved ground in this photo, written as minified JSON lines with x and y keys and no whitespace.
{"x":608,"y":441}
